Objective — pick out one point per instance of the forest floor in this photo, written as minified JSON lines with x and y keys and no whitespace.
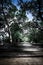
{"x":22,"y":61}
{"x":24,"y":57}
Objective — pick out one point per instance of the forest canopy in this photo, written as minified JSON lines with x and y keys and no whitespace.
{"x":16,"y":23}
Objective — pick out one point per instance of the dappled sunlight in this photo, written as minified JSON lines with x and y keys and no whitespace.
{"x":25,"y":38}
{"x":21,"y":32}
{"x":25,"y":44}
{"x":31,"y":49}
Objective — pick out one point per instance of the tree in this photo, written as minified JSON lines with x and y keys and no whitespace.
{"x":7,"y":10}
{"x":16,"y":30}
{"x":35,"y":7}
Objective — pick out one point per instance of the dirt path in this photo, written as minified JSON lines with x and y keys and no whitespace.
{"x":21,"y":61}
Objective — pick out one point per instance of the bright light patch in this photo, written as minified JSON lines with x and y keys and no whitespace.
{"x":15,"y":18}
{"x":25,"y":39}
{"x":25,"y":31}
{"x":6,"y":26}
{"x":1,"y":37}
{"x":6,"y":34}
{"x":29,"y":16}
{"x":20,"y":25}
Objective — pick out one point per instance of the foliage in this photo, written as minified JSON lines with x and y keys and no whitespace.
{"x":16,"y":30}
{"x":7,"y":12}
{"x":35,"y":7}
